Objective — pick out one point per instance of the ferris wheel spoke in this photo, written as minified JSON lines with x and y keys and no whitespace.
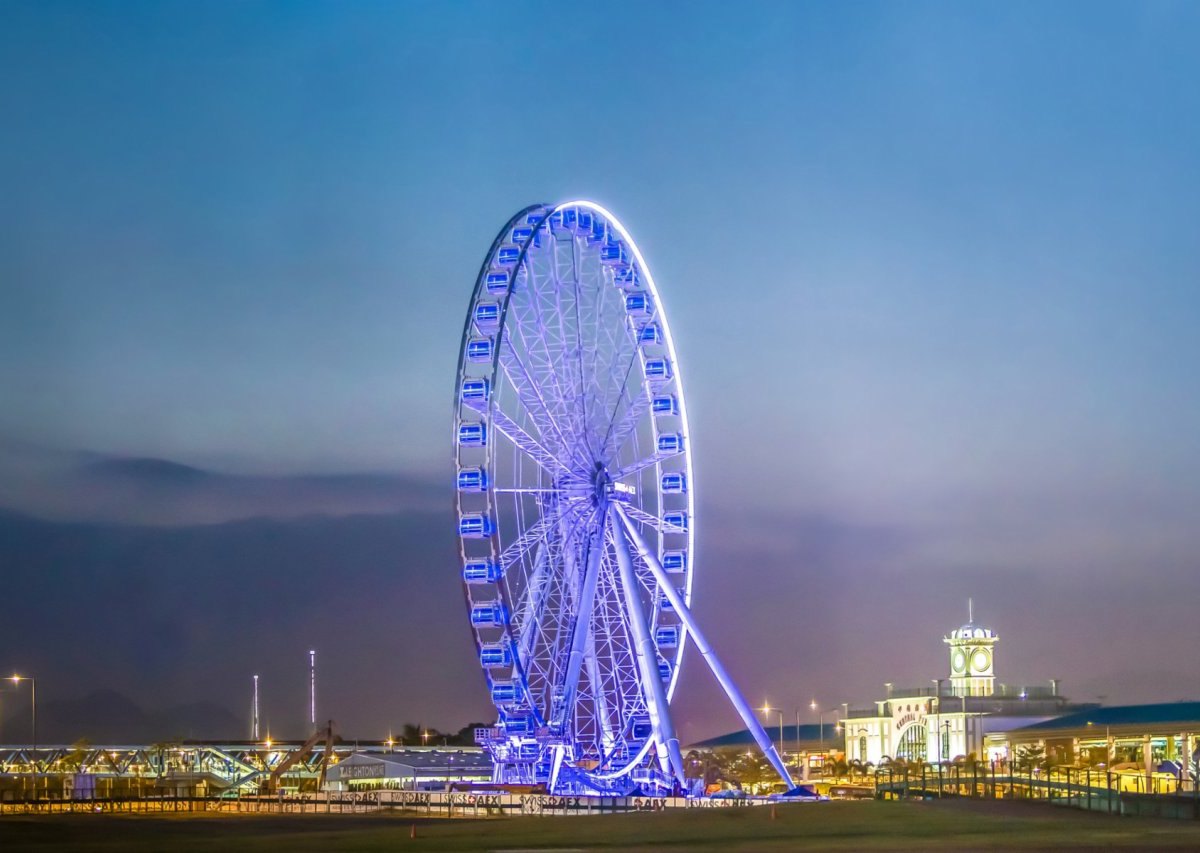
{"x":534,"y":534}
{"x":550,"y":552}
{"x":550,"y":463}
{"x":529,"y":491}
{"x":616,"y":438}
{"x":642,"y":517}
{"x":528,"y":391}
{"x":634,"y":467}
{"x":534,"y":599}
{"x":541,"y":330}
{"x":581,"y":619}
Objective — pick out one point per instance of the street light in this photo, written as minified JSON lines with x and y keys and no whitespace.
{"x":820,"y":725}
{"x":16,"y":680}
{"x":1107,"y":744}
{"x":767,"y":709}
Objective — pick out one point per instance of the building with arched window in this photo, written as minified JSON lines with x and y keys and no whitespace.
{"x":955,"y":715}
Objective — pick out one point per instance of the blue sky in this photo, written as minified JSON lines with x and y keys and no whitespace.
{"x":932,"y":267}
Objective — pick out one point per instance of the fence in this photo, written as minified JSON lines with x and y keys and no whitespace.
{"x":1076,"y":787}
{"x":436,"y":804}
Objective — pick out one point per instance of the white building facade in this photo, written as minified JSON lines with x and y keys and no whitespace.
{"x":953,"y":717}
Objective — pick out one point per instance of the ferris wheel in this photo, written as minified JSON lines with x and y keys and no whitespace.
{"x":576,"y":507}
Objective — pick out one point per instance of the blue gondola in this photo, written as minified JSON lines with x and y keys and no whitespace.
{"x":598,"y":233}
{"x":658,"y":369}
{"x":496,"y":283}
{"x":495,"y":655}
{"x":472,"y":480}
{"x":649,"y":334}
{"x":673,"y":483}
{"x":642,"y":728}
{"x":583,"y":222}
{"x":472,"y":435}
{"x":521,"y":233}
{"x":479,"y":349}
{"x":639,"y":304}
{"x":504,"y":692}
{"x":535,"y":217}
{"x":518,"y":724}
{"x":489,"y":615}
{"x":665,"y":605}
{"x":528,"y":751}
{"x":612,"y":254}
{"x":667,"y":637}
{"x":676,"y":522}
{"x":508,"y":255}
{"x":563,"y":221}
{"x":663,"y":404}
{"x":626,"y":278}
{"x":670,"y":442}
{"x":475,"y":391}
{"x":475,"y":525}
{"x":675,"y":561}
{"x":482,"y":571}
{"x":664,"y":670}
{"x":487,"y":316}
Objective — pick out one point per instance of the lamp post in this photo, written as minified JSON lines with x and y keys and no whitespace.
{"x":812,"y":706}
{"x":1107,"y":744}
{"x":937,"y":711}
{"x":16,"y":680}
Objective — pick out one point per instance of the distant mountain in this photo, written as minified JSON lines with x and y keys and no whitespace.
{"x":163,"y":615}
{"x":108,"y":717}
{"x":146,"y":470}
{"x":143,"y":490}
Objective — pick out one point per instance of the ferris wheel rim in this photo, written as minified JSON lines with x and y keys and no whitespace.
{"x":545,"y":212}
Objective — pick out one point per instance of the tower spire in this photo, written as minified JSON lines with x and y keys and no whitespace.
{"x":970,"y":611}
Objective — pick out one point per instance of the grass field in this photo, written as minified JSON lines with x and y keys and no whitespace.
{"x":950,"y":825}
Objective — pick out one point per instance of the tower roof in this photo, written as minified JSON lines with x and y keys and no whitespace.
{"x":971,"y":630}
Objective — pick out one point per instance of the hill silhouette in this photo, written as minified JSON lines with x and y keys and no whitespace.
{"x":109,"y":717}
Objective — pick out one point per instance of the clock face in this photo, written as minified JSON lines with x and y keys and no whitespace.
{"x":959,"y":661}
{"x":980,"y":660}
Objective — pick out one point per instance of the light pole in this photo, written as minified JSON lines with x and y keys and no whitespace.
{"x":820,"y":725}
{"x":16,"y":680}
{"x":937,"y":705}
{"x":767,"y":709}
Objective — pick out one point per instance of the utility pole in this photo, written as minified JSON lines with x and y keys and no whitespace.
{"x":312,"y":687}
{"x":254,"y":729}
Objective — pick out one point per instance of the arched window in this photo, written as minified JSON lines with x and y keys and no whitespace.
{"x":912,"y":744}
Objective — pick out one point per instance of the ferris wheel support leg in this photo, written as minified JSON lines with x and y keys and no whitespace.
{"x":593,"y":674}
{"x":706,"y":651}
{"x":647,"y":658}
{"x":583,"y":614}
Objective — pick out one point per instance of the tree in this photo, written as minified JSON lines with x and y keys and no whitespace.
{"x":1030,"y":757}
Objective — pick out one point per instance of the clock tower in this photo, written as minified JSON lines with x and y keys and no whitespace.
{"x":971,"y":664}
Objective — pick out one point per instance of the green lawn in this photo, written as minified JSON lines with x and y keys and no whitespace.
{"x":950,"y":825}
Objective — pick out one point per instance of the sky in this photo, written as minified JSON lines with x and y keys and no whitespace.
{"x":932,"y":271}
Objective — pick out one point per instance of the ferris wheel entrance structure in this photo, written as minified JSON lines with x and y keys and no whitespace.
{"x":576,"y":508}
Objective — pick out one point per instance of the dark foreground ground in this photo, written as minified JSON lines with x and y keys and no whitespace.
{"x":958,"y":826}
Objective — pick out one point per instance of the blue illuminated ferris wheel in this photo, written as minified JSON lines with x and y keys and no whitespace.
{"x":576,"y":507}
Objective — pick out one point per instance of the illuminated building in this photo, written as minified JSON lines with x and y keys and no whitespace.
{"x":959,"y":716}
